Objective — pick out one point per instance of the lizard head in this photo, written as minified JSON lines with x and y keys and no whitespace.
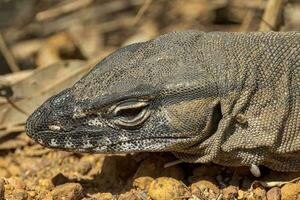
{"x":151,"y":96}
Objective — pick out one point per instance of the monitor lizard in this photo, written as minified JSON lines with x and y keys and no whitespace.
{"x":227,"y":98}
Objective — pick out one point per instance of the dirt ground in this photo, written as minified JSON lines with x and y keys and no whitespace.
{"x":45,"y":46}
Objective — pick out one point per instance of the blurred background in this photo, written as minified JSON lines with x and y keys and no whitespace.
{"x":37,"y":33}
{"x":47,"y":45}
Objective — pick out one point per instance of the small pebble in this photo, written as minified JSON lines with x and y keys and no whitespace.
{"x":131,"y":195}
{"x":84,"y":167}
{"x":242,"y":194}
{"x":260,"y":193}
{"x":102,"y":196}
{"x":290,"y":191}
{"x":4,"y":173}
{"x":67,"y":191}
{"x":274,"y":194}
{"x":14,"y":169}
{"x":165,"y":188}
{"x":230,"y":192}
{"x":17,"y":183}
{"x":46,"y":184}
{"x":206,"y":188}
{"x":143,"y":183}
{"x":20,"y":194}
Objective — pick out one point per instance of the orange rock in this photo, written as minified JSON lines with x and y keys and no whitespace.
{"x":205,"y":187}
{"x":131,"y":195}
{"x":19,"y":194}
{"x":4,"y":173}
{"x":143,"y":183}
{"x":17,"y":183}
{"x":290,"y":191}
{"x":260,"y":193}
{"x":230,"y":192}
{"x":102,"y":196}
{"x":68,"y":191}
{"x":274,"y":194}
{"x":46,"y":184}
{"x":165,"y":188}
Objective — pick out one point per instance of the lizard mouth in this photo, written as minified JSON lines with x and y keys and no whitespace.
{"x":93,"y":142}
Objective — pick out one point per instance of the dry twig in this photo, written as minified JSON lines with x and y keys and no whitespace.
{"x":69,"y":7}
{"x":141,"y":12}
{"x":7,"y":55}
{"x":272,"y":14}
{"x":247,"y":21}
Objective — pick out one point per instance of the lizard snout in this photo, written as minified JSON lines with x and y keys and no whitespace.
{"x":37,"y":121}
{"x":51,"y":116}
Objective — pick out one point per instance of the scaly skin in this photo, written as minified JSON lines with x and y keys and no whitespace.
{"x":227,"y":98}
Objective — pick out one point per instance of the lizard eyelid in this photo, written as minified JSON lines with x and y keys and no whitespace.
{"x":130,"y":113}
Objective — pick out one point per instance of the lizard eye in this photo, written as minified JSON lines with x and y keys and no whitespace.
{"x":130,"y":113}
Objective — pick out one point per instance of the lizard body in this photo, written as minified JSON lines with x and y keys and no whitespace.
{"x":227,"y":98}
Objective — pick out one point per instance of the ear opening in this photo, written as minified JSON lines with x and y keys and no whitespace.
{"x":215,"y":118}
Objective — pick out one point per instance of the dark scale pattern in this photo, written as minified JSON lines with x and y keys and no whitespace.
{"x":228,"y":98}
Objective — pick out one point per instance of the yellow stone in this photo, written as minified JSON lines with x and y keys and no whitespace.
{"x":165,"y":188}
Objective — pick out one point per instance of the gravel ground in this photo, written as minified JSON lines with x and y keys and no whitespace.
{"x":33,"y":172}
